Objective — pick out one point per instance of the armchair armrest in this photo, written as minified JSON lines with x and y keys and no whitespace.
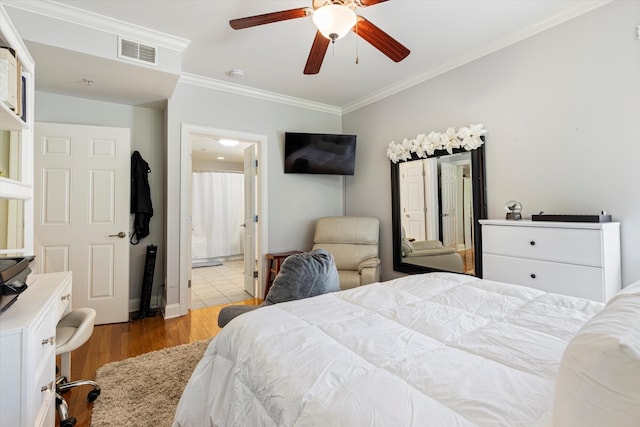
{"x":368,"y":263}
{"x":430,"y":252}
{"x":369,"y":271}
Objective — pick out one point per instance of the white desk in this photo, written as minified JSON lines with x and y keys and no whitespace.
{"x":28,"y":351}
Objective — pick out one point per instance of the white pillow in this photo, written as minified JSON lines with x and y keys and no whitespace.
{"x":599,"y":376}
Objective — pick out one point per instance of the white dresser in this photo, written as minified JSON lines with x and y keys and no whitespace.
{"x":28,"y":351}
{"x":578,"y":259}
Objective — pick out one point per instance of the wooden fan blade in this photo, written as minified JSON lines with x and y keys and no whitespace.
{"x":316,"y":56}
{"x":268,"y":18}
{"x":366,"y":3}
{"x":380,"y":40}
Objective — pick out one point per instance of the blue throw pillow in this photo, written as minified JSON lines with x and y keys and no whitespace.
{"x":301,"y":276}
{"x":304,"y":275}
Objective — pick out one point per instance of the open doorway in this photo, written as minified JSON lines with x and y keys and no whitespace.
{"x":222,"y":239}
{"x":217,"y":224}
{"x":219,"y":187}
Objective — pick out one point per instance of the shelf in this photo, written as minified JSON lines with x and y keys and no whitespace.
{"x":9,"y":120}
{"x":10,"y":189}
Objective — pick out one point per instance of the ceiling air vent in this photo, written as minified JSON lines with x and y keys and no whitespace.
{"x":137,"y":51}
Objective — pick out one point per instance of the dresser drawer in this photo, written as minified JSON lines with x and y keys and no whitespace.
{"x":574,"y":246}
{"x":565,"y":279}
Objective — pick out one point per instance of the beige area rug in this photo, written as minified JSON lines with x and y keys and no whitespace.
{"x":144,"y":390}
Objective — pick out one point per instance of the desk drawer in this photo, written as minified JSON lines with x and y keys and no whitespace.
{"x":44,"y":340}
{"x":565,"y":279}
{"x":575,"y":246}
{"x":64,"y":302}
{"x":44,"y":391}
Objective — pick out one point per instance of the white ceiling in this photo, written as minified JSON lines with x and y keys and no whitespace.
{"x":208,"y":148}
{"x":440,"y":34}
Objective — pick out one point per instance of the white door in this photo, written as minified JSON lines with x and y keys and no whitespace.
{"x":448,"y":187}
{"x":412,"y":202}
{"x":432,"y":198}
{"x":250,"y":261}
{"x":82,"y":187}
{"x":468,"y":213}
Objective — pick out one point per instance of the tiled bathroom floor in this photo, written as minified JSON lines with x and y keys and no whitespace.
{"x":218,"y":285}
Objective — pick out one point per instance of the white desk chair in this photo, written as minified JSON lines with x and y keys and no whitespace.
{"x":73,"y":330}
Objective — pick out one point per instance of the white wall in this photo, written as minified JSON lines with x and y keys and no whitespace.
{"x":562,"y":111}
{"x":147,"y":136}
{"x":295,"y":201}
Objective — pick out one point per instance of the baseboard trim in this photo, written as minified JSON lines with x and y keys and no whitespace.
{"x":170,"y":311}
{"x":155,"y":303}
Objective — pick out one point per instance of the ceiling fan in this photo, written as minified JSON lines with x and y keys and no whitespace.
{"x":334,"y":19}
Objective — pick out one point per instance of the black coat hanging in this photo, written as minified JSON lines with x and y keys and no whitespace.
{"x":140,"y":198}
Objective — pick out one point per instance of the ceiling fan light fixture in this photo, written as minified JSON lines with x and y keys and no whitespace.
{"x":334,"y":21}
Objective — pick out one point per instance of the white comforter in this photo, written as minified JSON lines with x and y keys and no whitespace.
{"x":437,"y":349}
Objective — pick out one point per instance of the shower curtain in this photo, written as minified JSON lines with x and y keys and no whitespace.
{"x":217,"y":214}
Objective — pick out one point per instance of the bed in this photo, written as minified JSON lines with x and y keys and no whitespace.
{"x":437,"y":349}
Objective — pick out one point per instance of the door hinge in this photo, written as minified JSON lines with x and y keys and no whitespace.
{"x":189,"y":284}
{"x":255,"y":218}
{"x":255,"y":274}
{"x":256,"y":163}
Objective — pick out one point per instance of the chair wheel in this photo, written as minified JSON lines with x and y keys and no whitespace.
{"x":69,"y":422}
{"x":93,"y":395}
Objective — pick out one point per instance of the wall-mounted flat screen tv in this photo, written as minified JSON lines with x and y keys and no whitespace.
{"x":319,"y":153}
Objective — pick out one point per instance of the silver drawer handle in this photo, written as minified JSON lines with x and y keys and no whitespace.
{"x":49,"y":340}
{"x":47,"y":387}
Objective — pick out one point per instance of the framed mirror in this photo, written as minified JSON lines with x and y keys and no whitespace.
{"x":436,"y":203}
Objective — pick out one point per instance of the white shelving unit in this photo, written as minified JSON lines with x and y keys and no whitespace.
{"x":17,"y":187}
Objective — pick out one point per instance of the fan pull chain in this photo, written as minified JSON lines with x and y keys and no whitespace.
{"x":357,"y":37}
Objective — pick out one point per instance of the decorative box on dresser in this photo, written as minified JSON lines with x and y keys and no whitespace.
{"x":28,"y":351}
{"x":569,"y":258}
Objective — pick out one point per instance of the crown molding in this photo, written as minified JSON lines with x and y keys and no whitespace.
{"x":237,"y":89}
{"x":74,"y":15}
{"x":579,"y":9}
{"x":77,"y":16}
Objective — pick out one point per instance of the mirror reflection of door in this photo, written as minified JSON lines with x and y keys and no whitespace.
{"x":448,"y":211}
{"x":437,"y":207}
{"x":412,"y":194}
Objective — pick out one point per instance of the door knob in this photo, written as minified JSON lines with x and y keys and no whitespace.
{"x":121,"y":235}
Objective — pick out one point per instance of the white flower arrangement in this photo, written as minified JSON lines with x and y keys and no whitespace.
{"x":425,"y":145}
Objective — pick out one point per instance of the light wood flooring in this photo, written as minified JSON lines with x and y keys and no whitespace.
{"x":111,"y":343}
{"x":467,"y":258}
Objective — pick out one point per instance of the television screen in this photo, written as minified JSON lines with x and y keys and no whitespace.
{"x":318,"y":153}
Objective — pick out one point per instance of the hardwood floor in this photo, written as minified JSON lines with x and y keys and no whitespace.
{"x":467,"y":258}
{"x":111,"y":343}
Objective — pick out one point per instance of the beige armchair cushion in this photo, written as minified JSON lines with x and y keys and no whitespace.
{"x":353,"y":242}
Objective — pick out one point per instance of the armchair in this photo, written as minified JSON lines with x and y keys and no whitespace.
{"x":431,"y":253}
{"x":353,"y":242}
